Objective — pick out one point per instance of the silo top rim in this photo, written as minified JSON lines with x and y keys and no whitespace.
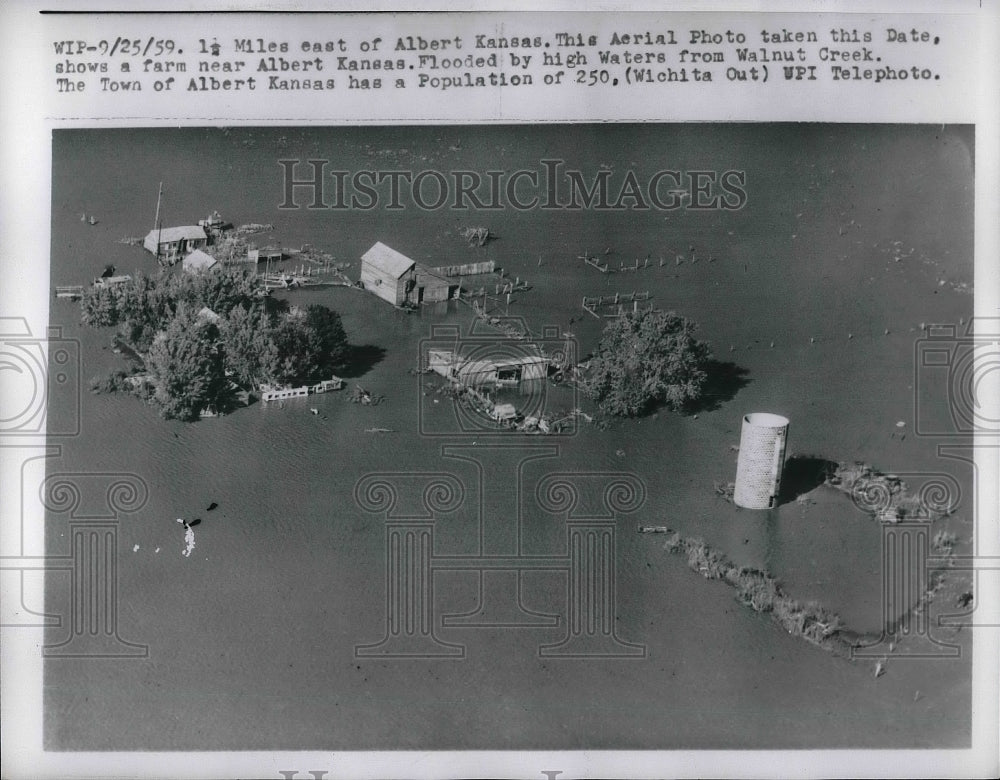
{"x":766,"y":420}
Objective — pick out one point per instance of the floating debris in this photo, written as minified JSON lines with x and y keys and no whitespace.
{"x":476,"y":236}
{"x":188,"y":541}
{"x":135,"y":548}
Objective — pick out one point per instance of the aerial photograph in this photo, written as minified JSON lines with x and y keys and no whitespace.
{"x":511,"y":437}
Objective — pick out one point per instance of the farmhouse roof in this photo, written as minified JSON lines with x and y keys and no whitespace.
{"x":182,"y":233}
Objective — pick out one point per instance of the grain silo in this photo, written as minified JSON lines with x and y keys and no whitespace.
{"x":762,"y":457}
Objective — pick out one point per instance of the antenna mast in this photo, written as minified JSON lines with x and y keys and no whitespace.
{"x":156,"y":221}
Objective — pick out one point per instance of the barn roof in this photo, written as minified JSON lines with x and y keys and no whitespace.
{"x":427,"y":275}
{"x":387,"y":260}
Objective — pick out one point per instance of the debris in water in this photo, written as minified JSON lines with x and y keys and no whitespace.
{"x":156,"y":550}
{"x":135,"y":548}
{"x":901,"y":424}
{"x":188,"y":541}
{"x":620,"y":453}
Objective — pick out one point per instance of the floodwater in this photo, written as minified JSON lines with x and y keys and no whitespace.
{"x":252,"y":638}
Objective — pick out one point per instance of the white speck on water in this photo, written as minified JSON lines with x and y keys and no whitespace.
{"x":135,"y":548}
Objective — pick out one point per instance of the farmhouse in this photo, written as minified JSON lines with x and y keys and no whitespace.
{"x":171,"y":243}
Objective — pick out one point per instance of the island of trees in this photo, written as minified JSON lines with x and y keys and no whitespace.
{"x":197,"y":341}
{"x":647,"y":358}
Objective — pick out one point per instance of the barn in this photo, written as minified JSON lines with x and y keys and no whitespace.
{"x":388,"y":273}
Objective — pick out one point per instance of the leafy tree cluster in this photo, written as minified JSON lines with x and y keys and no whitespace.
{"x":193,"y":357}
{"x":647,"y":358}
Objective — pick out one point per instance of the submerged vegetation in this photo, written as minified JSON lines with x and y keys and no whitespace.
{"x":202,"y":337}
{"x":886,"y":497}
{"x":762,"y":593}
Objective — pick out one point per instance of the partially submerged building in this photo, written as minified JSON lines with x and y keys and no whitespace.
{"x":388,"y":273}
{"x":172,"y":243}
{"x":499,"y":371}
{"x":396,"y":278}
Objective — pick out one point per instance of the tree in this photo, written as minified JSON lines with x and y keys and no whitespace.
{"x":249,"y":349}
{"x":326,"y":337}
{"x":645,"y":358}
{"x":187,"y":367}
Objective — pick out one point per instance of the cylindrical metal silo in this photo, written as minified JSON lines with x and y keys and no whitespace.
{"x":762,"y":457}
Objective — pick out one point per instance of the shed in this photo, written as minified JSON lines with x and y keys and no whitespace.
{"x":173,"y":242}
{"x":388,"y":273}
{"x":199,"y":261}
{"x":433,"y":286}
